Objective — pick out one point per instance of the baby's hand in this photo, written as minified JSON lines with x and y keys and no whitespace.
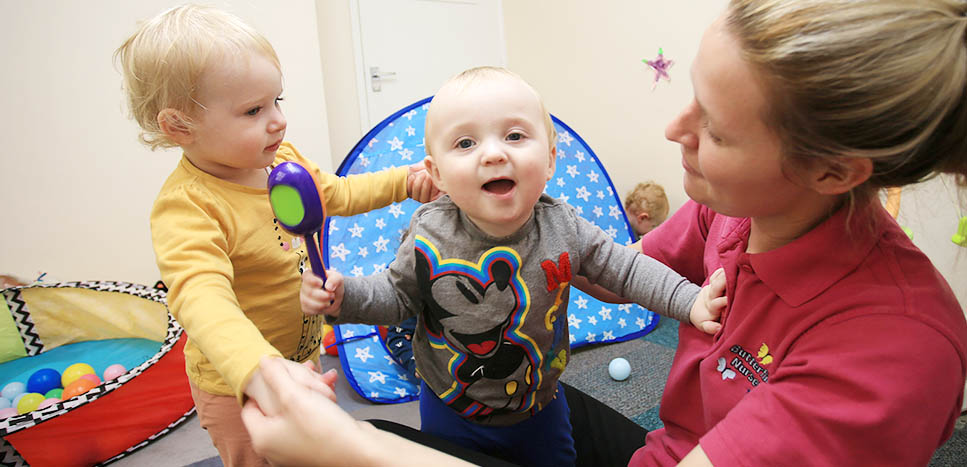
{"x":316,"y":299}
{"x":419,"y":185}
{"x":711,"y":301}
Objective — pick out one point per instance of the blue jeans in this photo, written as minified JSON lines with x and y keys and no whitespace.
{"x":544,"y":439}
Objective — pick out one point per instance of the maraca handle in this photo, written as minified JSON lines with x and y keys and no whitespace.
{"x":318,"y":268}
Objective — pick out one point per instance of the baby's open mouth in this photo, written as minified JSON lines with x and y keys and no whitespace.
{"x":499,"y":186}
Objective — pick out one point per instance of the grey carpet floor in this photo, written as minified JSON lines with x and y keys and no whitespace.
{"x":638,"y":396}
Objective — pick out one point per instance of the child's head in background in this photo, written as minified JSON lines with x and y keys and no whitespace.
{"x":490,"y":146}
{"x":200,"y":78}
{"x":646,"y":206}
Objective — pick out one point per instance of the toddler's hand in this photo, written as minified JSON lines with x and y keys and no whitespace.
{"x":419,"y":185}
{"x":316,"y":299}
{"x":711,"y":301}
{"x":305,"y":423}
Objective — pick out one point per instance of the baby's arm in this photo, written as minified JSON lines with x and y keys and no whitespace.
{"x":388,"y":297}
{"x":318,"y":299}
{"x":629,"y":274}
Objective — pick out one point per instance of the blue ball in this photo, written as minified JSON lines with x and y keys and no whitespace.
{"x":619,"y":369}
{"x":4,"y":402}
{"x":43,"y":380}
{"x":14,"y":389}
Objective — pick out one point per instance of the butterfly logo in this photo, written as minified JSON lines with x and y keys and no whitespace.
{"x":727,"y":373}
{"x":763,"y":356}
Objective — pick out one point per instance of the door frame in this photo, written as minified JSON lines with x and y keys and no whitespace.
{"x":362,"y":77}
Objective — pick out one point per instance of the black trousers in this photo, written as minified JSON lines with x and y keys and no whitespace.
{"x":602,"y":436}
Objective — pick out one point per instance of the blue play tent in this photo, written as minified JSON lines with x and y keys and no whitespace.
{"x":365,"y":244}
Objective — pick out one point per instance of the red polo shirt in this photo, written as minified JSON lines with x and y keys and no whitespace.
{"x":845,"y":346}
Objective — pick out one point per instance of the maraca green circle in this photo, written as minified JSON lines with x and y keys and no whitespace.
{"x":287,"y":205}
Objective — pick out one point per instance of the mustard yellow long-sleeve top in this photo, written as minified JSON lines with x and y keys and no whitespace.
{"x":233,"y":274}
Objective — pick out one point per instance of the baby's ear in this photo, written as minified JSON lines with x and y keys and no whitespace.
{"x":434,"y":170}
{"x":552,"y":163}
{"x":174,"y":124}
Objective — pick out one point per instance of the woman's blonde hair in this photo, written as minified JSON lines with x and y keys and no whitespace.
{"x":881,"y":79}
{"x":483,"y":72}
{"x":163,"y":61}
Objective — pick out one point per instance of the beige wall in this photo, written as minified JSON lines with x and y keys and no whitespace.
{"x":585,"y":59}
{"x":77,"y":185}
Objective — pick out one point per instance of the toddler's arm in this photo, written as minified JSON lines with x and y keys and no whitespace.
{"x":419,"y":184}
{"x":304,"y":374}
{"x":708,"y":306}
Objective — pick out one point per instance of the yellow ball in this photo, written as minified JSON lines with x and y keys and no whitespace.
{"x":75,"y":371}
{"x":29,"y":402}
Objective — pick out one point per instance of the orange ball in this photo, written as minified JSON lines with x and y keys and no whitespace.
{"x":329,"y":340}
{"x":79,"y":386}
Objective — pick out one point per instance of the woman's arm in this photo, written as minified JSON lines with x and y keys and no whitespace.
{"x":310,"y":429}
{"x":696,"y":458}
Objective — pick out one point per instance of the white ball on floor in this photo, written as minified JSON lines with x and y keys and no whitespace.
{"x":619,"y":369}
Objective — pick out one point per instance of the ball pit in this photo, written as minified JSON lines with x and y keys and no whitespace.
{"x":97,"y":323}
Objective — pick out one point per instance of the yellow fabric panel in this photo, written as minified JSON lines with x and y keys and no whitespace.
{"x":11,"y":345}
{"x":67,"y":315}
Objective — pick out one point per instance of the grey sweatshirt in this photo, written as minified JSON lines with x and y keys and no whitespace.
{"x":492,"y":335}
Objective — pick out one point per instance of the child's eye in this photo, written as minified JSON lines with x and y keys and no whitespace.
{"x":515,"y":136}
{"x":253,"y":111}
{"x":465,"y":143}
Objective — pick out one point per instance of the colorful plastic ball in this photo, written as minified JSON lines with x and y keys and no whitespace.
{"x":16,"y":400}
{"x":114,"y":371}
{"x":80,"y":386}
{"x":29,"y":402}
{"x":619,"y":369}
{"x":12,"y":390}
{"x":92,"y":377}
{"x":8,"y":412}
{"x":54,"y":393}
{"x":329,"y":340}
{"x":43,"y":380}
{"x":47,"y":403}
{"x":4,"y":403}
{"x":73,"y":372}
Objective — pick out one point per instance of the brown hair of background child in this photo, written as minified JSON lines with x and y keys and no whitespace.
{"x":646,"y":206}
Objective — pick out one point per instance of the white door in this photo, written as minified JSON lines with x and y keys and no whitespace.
{"x":408,"y":48}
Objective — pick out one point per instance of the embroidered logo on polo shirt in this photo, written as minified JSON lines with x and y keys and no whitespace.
{"x":744,"y":363}
{"x":726,"y":372}
{"x":764,"y":357}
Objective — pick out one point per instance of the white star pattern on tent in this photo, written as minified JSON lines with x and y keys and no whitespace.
{"x":367,"y":243}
